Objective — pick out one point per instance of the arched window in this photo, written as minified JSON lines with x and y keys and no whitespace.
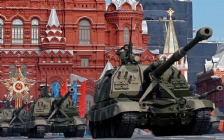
{"x":55,"y":87}
{"x":12,"y":72}
{"x":35,"y":31}
{"x":17,"y":31}
{"x":1,"y":31}
{"x":84,"y":32}
{"x":24,"y":70}
{"x":126,"y":35}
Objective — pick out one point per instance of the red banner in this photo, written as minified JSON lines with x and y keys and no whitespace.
{"x":82,"y":100}
{"x":63,"y":89}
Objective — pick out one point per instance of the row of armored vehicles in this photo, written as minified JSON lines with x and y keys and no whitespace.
{"x":132,"y":95}
{"x":46,"y":115}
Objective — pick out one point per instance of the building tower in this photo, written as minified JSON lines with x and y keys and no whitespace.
{"x":171,"y":46}
{"x":72,"y":38}
{"x":212,"y":76}
{"x":53,"y":38}
{"x":127,"y":12}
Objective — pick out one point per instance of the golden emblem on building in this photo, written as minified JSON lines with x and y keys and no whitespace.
{"x":18,"y":86}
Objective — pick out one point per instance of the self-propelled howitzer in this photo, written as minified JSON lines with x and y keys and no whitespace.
{"x":14,"y":120}
{"x":154,"y":96}
{"x":6,"y":115}
{"x":19,"y":119}
{"x":55,"y":115}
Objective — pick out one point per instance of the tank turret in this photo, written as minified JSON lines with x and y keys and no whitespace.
{"x":17,"y":111}
{"x":60,"y":101}
{"x":154,"y":96}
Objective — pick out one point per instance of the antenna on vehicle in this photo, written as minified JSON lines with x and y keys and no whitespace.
{"x":45,"y":89}
{"x":46,"y":79}
{"x":130,"y":45}
{"x":124,"y":53}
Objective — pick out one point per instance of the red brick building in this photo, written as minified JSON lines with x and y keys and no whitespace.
{"x":212,"y":76}
{"x":49,"y":40}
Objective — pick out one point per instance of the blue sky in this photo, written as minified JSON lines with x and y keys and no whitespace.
{"x":209,"y":13}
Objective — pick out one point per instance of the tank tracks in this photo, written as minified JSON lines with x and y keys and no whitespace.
{"x":4,"y":132}
{"x":79,"y":132}
{"x":120,"y":126}
{"x":200,"y":123}
{"x":37,"y":132}
{"x":198,"y":126}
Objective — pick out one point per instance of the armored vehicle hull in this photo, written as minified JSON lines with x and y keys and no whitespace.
{"x":14,"y":121}
{"x":6,"y":118}
{"x":18,"y":123}
{"x":155,"y":97}
{"x":51,"y":115}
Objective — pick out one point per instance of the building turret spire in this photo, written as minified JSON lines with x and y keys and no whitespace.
{"x":53,"y":19}
{"x":119,"y":3}
{"x":171,"y":44}
{"x":53,"y":38}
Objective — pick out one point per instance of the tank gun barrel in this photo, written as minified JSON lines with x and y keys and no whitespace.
{"x":60,"y":101}
{"x":204,"y":95}
{"x":202,"y":34}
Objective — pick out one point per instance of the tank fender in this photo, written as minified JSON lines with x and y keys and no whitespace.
{"x":5,"y":125}
{"x":78,"y":120}
{"x":113,"y":110}
{"x":199,"y":104}
{"x":38,"y":122}
{"x":127,"y":107}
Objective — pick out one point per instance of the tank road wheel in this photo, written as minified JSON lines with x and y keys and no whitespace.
{"x":4,"y":132}
{"x":199,"y":124}
{"x":40,"y":132}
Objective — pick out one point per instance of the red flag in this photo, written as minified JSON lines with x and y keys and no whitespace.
{"x":64,"y":89}
{"x":82,"y":100}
